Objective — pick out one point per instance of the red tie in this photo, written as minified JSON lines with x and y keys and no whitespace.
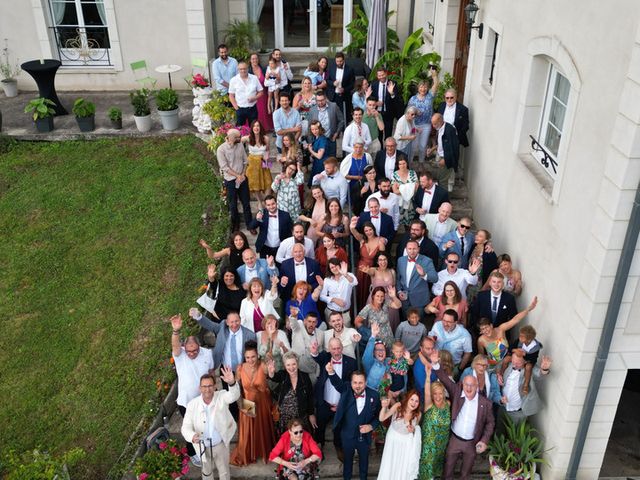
{"x":374,"y":216}
{"x":358,"y":396}
{"x":412,"y":260}
{"x":273,"y":216}
{"x":426,"y":190}
{"x":336,"y":363}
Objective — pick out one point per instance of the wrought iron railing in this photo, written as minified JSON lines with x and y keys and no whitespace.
{"x":83,"y":46}
{"x":546,"y":159}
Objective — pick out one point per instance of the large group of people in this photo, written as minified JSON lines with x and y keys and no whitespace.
{"x":368,"y":306}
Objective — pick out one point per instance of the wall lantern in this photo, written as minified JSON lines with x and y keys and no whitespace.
{"x":470,"y":12}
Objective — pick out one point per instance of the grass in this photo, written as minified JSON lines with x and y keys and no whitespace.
{"x":99,"y":248}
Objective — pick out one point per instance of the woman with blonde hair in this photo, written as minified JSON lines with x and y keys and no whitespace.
{"x":435,"y":424}
{"x":272,"y":343}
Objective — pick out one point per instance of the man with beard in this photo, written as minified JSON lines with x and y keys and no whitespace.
{"x":389,"y":201}
{"x":232,"y":159}
{"x":304,"y":334}
{"x":223,"y":68}
{"x":418,"y":233}
{"x":297,"y":236}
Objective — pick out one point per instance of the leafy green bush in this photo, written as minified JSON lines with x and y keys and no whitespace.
{"x":242,"y":37}
{"x":37,"y":465}
{"x":447,"y":83}
{"x":114,"y":114}
{"x":165,"y":463}
{"x":166,"y":99}
{"x":41,"y":108}
{"x":140,"y":102}
{"x":83,"y":108}
{"x":219,"y":110}
{"x":358,"y":28}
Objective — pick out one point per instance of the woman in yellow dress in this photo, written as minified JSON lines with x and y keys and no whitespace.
{"x":259,"y":168}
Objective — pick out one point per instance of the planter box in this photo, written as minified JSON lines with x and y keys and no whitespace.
{"x":10,"y":87}
{"x":169,"y":118}
{"x":116,"y":124}
{"x":44,"y":125}
{"x":86,"y":124}
{"x":143,"y":123}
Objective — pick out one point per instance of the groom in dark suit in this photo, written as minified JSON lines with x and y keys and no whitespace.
{"x":356,"y":417}
{"x":274,"y":224}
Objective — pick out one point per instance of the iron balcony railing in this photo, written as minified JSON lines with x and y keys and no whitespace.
{"x":83,"y":46}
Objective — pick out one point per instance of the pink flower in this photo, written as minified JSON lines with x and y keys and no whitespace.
{"x":174,"y":450}
{"x":184,"y":450}
{"x":185,"y":470}
{"x":185,"y":460}
{"x":163,"y":445}
{"x":175,"y":474}
{"x":143,"y":476}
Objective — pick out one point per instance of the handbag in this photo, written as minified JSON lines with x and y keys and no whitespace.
{"x":207,"y":302}
{"x":275,"y":412}
{"x":248,"y":405}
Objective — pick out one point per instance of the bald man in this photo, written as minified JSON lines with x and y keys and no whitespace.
{"x":233,"y":162}
{"x":447,"y":151}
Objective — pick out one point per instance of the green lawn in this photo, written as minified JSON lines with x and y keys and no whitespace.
{"x":99,"y":247}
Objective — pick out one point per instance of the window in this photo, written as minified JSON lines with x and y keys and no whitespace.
{"x":430,"y":16}
{"x":81,"y":32}
{"x":490,"y":59}
{"x":555,"y":109}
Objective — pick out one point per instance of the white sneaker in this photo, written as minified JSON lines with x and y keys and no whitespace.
{"x":195,"y":460}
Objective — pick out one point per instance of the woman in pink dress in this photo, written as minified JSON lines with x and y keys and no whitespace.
{"x":263,"y":116}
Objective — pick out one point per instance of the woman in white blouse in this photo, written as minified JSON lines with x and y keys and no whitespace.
{"x":406,"y":131}
{"x":258,"y":304}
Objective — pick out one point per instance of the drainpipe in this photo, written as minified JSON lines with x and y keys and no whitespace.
{"x":610,"y":319}
{"x":412,"y":14}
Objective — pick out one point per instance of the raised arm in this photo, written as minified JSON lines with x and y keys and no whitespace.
{"x":176,"y":324}
{"x":505,"y":327}
{"x":203,"y":321}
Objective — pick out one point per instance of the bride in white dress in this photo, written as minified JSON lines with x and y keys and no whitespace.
{"x":401,"y":455}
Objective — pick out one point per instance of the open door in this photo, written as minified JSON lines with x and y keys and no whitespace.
{"x":462,"y":52}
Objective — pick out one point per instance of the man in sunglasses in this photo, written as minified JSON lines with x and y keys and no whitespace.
{"x":459,"y":241}
{"x":456,"y":114}
{"x":461,"y":277}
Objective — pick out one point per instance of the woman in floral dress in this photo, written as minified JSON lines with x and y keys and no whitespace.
{"x":405,"y":176}
{"x":378,"y":312}
{"x":285,"y":187}
{"x":436,"y":423}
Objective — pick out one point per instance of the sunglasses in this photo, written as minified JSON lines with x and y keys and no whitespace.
{"x":466,"y":227}
{"x":452,"y":261}
{"x":297,"y":432}
{"x":449,"y":98}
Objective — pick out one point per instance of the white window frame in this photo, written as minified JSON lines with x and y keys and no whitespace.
{"x":430,"y":17}
{"x":545,"y":120}
{"x":491,"y":59}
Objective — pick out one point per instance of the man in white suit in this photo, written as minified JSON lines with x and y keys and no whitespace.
{"x":208,"y":424}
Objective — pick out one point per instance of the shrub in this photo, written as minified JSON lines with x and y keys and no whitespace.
{"x":140,"y":102}
{"x":166,"y":99}
{"x":83,"y":108}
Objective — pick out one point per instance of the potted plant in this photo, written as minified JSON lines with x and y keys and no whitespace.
{"x":513,"y":455}
{"x":85,"y":112}
{"x":168,"y":462}
{"x":115,"y":116}
{"x":141,"y":111}
{"x":167,"y":103}
{"x":242,"y":37}
{"x":9,"y":72}
{"x":43,"y":112}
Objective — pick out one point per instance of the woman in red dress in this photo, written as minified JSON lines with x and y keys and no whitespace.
{"x":263,"y":116}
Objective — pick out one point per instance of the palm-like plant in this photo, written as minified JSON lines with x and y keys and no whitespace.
{"x":242,"y":38}
{"x":408,"y":66}
{"x":517,"y":451}
{"x":358,"y":28}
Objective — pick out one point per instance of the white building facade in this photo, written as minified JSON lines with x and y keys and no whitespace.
{"x":565,"y":78}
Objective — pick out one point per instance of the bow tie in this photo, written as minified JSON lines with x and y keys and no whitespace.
{"x":516,"y":369}
{"x":249,"y":269}
{"x":275,"y":215}
{"x":374,"y":216}
{"x":412,"y":260}
{"x":426,"y":190}
{"x":334,"y":362}
{"x":301,"y":264}
{"x":358,"y":396}
{"x":329,"y":176}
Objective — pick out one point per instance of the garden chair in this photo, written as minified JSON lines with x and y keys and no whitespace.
{"x":140,"y":68}
{"x":198,"y":65}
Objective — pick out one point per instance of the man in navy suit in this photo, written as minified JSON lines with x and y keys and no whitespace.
{"x":495,"y":303}
{"x":326,"y":396}
{"x":296,"y":269}
{"x":413,"y":274}
{"x":447,"y":151}
{"x":382,"y":222}
{"x":456,"y":114}
{"x":390,"y":103}
{"x":340,"y":82}
{"x":429,"y":196}
{"x":386,"y":161}
{"x":356,"y":417}
{"x":274,"y":224}
{"x":418,"y":232}
{"x":460,"y":241}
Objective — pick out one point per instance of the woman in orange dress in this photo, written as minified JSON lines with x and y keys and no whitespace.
{"x":256,"y":436}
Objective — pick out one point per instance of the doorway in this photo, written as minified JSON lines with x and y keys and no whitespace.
{"x":462,"y":52}
{"x":304,"y":25}
{"x":622,"y":456}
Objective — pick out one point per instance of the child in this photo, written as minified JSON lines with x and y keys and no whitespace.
{"x":398,"y":369}
{"x":272,"y":83}
{"x":313,"y":72}
{"x":531,"y":346}
{"x":411,"y":331}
